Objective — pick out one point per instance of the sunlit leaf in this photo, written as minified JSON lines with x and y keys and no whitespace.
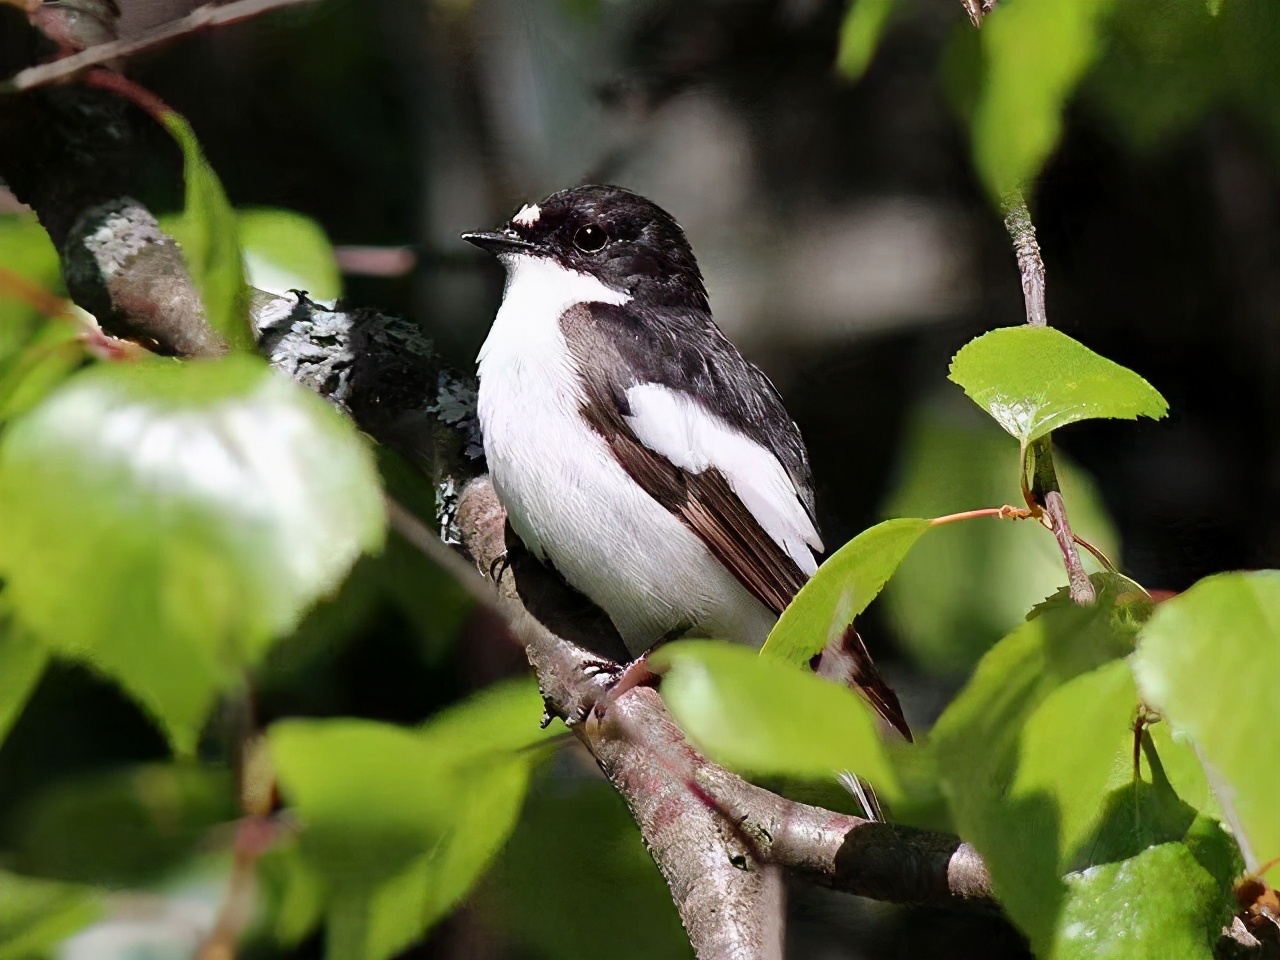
{"x":842,"y":588}
{"x":1209,"y":661}
{"x":1034,"y":54}
{"x":1025,"y":786}
{"x":1158,"y":904}
{"x":860,"y":34}
{"x":1033,"y":380}
{"x":36,"y":915}
{"x":759,"y":716}
{"x":284,"y":251}
{"x":965,"y":586}
{"x":166,"y":522}
{"x":22,"y":661}
{"x":208,"y":234}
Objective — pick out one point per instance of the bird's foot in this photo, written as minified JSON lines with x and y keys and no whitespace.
{"x":621,"y":678}
{"x":499,"y":566}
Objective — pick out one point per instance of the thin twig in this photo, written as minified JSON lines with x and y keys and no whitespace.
{"x":1039,"y":479}
{"x":1007,"y":512}
{"x":1017,"y":220}
{"x":202,"y":18}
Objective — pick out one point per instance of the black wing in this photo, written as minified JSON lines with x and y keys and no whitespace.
{"x":617,"y":348}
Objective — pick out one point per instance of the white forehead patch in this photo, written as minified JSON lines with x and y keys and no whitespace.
{"x":528,"y":215}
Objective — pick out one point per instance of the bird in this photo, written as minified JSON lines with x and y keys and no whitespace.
{"x":634,"y":448}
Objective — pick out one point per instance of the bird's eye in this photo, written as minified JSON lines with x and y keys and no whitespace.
{"x":590,"y":238}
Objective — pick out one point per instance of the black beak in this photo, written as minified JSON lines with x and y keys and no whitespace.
{"x":497,"y":243}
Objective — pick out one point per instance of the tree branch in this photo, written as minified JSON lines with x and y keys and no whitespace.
{"x":202,"y":18}
{"x":719,"y":841}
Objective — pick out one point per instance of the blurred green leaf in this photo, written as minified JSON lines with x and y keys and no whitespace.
{"x":27,"y":254}
{"x":1170,"y":64}
{"x":843,"y":587}
{"x":399,"y":825}
{"x":208,"y":234}
{"x":966,"y":585}
{"x":121,"y":827}
{"x":284,"y":251}
{"x":167,"y":521}
{"x":22,"y":661}
{"x":29,"y":375}
{"x":1033,"y":380}
{"x":372,"y":797}
{"x":1159,"y":904}
{"x":759,"y":716}
{"x":293,"y":894}
{"x":36,"y":915}
{"x":1034,"y":54}
{"x":860,"y":34}
{"x":1216,"y":645}
{"x":573,"y":862}
{"x":1024,"y":786}
{"x":504,"y":718}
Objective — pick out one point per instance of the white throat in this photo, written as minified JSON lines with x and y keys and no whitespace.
{"x":538,"y":291}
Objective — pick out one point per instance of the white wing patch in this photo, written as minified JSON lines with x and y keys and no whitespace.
{"x":691,"y":437}
{"x":528,"y":215}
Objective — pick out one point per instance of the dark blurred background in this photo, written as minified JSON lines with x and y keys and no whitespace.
{"x":849,"y":250}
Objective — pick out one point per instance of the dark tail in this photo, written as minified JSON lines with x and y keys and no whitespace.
{"x":846,"y":660}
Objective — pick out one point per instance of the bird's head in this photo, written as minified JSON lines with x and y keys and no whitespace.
{"x":625,"y":241}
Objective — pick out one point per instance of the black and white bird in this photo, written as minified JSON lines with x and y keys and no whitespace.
{"x":633,"y":447}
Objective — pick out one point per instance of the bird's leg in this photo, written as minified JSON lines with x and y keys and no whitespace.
{"x":626,"y":677}
{"x":630,"y":675}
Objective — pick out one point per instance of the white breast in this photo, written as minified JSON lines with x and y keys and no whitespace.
{"x":568,"y":498}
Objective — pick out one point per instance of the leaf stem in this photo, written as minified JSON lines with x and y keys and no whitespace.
{"x":1098,"y":555}
{"x":1007,"y":512}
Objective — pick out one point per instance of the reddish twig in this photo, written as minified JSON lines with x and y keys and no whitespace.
{"x":202,"y":18}
{"x":1007,"y":512}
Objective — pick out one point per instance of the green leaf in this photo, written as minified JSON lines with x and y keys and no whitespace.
{"x":1025,"y":786}
{"x":842,"y":588}
{"x":860,"y":35}
{"x":965,"y":586}
{"x":1170,"y":64}
{"x":1216,"y":645}
{"x":121,"y":827}
{"x":284,"y":251}
{"x":762,"y":717}
{"x":400,"y":824}
{"x":207,"y":232}
{"x":36,"y":915}
{"x":292,"y":893}
{"x":1114,"y":908}
{"x":1033,"y":380}
{"x":1034,"y":52}
{"x":27,"y":256}
{"x":166,"y":522}
{"x":29,"y":376}
{"x":22,"y":661}
{"x":1159,"y":904}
